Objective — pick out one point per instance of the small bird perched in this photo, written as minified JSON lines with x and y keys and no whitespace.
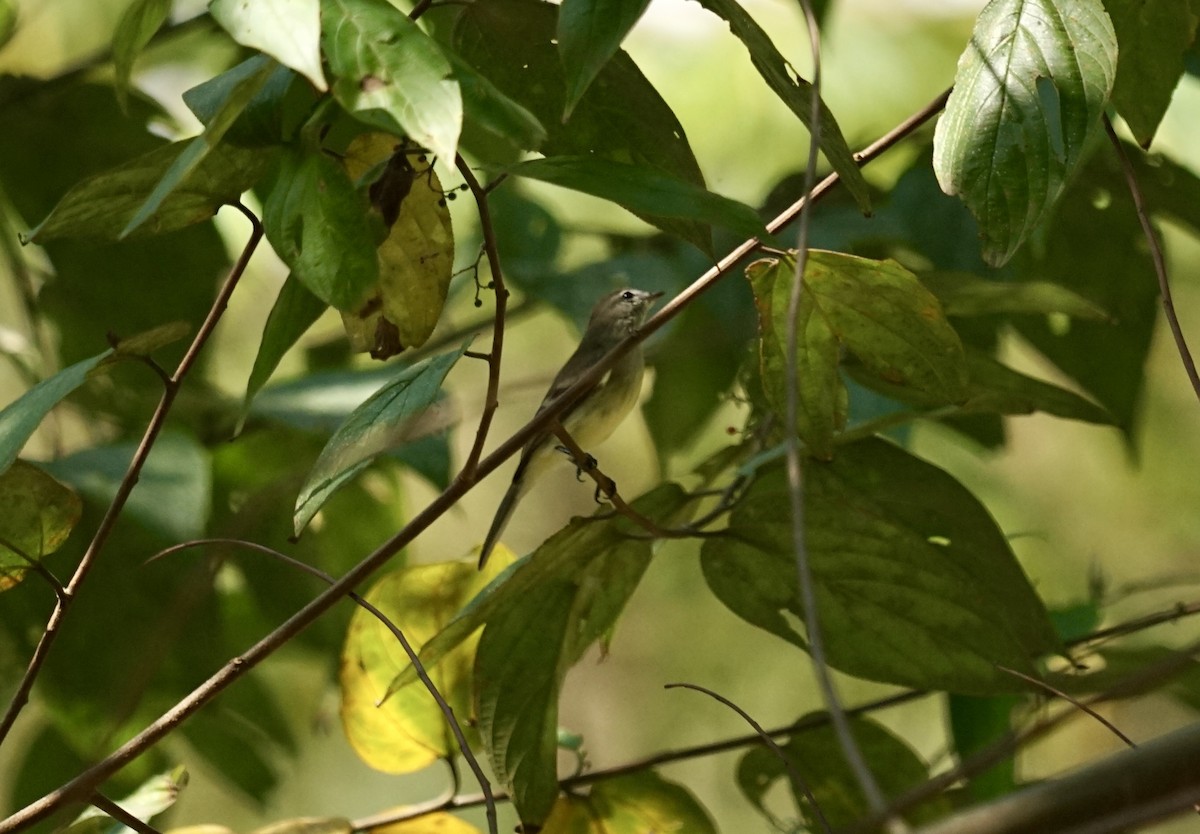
{"x":594,"y":416}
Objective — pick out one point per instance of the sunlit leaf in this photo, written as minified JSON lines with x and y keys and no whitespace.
{"x":589,"y":34}
{"x":416,"y":259}
{"x":316,"y":222}
{"x":878,"y":311}
{"x":138,"y":24}
{"x":915,"y":585}
{"x":391,"y":74}
{"x":1029,"y":93}
{"x":632,"y":804}
{"x":20,"y":418}
{"x":644,"y":191}
{"x":408,"y":731}
{"x":287,"y":30}
{"x":388,"y":419}
{"x":39,"y":514}
{"x":795,"y":92}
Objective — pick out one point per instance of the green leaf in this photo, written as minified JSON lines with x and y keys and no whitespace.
{"x":964,"y":294}
{"x":630,"y":804}
{"x":1113,"y":271}
{"x":317,"y":223}
{"x":173,"y":497}
{"x":151,"y":799}
{"x":391,"y":74}
{"x":915,"y":585}
{"x":495,"y":127}
{"x":1153,"y":39}
{"x":39,"y":514}
{"x":287,"y":30}
{"x":140,"y":21}
{"x":622,"y":118}
{"x":644,"y":191}
{"x":975,"y":724}
{"x":186,"y":165}
{"x":795,"y":92}
{"x":103,"y":206}
{"x":539,"y":616}
{"x":407,"y":731}
{"x":1028,"y":95}
{"x":294,"y":312}
{"x":999,"y":389}
{"x":878,"y":311}
{"x":20,"y":418}
{"x":386,"y":420}
{"x":816,"y":756}
{"x":8,"y":20}
{"x":589,"y":34}
{"x":271,"y":116}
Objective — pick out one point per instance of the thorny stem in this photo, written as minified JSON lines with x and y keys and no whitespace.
{"x":77,"y":789}
{"x":171,"y":388}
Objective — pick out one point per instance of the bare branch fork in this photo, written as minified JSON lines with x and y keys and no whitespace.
{"x":79,"y":788}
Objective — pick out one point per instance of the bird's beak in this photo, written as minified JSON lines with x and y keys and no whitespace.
{"x":654,"y":295}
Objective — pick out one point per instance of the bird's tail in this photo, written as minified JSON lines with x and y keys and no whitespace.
{"x":503,"y":513}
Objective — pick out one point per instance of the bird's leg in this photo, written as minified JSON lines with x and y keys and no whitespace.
{"x":584,"y":463}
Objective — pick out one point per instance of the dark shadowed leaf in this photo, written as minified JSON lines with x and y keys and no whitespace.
{"x":295,"y":310}
{"x":644,"y":191}
{"x":915,"y":585}
{"x":621,"y":117}
{"x":964,"y":294}
{"x":977,"y":723}
{"x":1028,"y":95}
{"x":589,"y":34}
{"x":1153,"y":38}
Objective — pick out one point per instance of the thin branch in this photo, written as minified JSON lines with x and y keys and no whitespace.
{"x":491,"y":400}
{"x":795,"y":474}
{"x":1121,"y":629}
{"x":78,"y":788}
{"x":129,"y":481}
{"x":446,"y":710}
{"x":797,"y":778}
{"x":1156,"y":255}
{"x":1080,"y":705}
{"x":122,"y":816}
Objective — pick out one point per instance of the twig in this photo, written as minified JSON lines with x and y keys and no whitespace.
{"x":797,"y":778}
{"x":170,"y":390}
{"x":1178,"y":612}
{"x":121,"y":815}
{"x":1053,"y":690}
{"x":491,"y":400}
{"x":446,"y":710}
{"x":795,"y":474}
{"x":78,"y":788}
{"x":1156,"y":255}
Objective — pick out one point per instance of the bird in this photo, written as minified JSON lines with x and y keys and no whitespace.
{"x":597,"y":412}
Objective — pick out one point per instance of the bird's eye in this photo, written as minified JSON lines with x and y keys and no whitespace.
{"x":627,"y":295}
